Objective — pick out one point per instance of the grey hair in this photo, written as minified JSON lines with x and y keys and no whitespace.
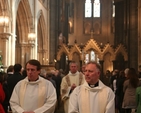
{"x":97,"y":65}
{"x":73,"y":62}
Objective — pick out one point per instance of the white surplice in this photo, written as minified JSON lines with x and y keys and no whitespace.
{"x":100,"y":99}
{"x":67,"y":81}
{"x":38,"y":96}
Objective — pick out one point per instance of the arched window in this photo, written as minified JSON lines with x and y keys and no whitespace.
{"x":88,"y":8}
{"x":91,"y":56}
{"x":86,"y":58}
{"x":113,"y":15}
{"x":96,"y":8}
{"x":92,"y":17}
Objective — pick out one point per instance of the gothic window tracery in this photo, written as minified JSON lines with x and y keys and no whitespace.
{"x":91,"y":56}
{"x":96,"y":8}
{"x":92,"y":18}
{"x":88,"y":8}
{"x":92,"y":7}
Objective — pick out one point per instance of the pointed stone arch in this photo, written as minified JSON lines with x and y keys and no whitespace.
{"x":109,"y":49}
{"x":42,"y":24}
{"x":63,"y":49}
{"x":24,"y":24}
{"x":41,"y":37}
{"x":24,"y":20}
{"x":108,"y":62}
{"x":121,"y":49}
{"x":105,"y":54}
{"x":92,"y":44}
{"x":74,"y":49}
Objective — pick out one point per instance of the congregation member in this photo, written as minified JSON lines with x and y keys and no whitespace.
{"x":119,"y":91}
{"x":138,"y":99}
{"x":129,"y":89}
{"x":2,"y":93}
{"x":92,"y":96}
{"x":49,"y":77}
{"x":10,"y":71}
{"x":3,"y":80}
{"x":69,"y":82}
{"x":13,"y":79}
{"x":33,"y":94}
{"x":106,"y":78}
{"x":56,"y":76}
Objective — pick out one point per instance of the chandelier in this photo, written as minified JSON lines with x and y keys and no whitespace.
{"x":4,"y":18}
{"x":31,"y":38}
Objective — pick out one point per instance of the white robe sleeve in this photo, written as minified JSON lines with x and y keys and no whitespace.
{"x":110,"y":108}
{"x":15,"y":102}
{"x":65,"y":89}
{"x":73,"y":101}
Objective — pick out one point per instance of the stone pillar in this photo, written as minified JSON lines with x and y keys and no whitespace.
{"x":44,"y":53}
{"x":31,"y":46}
{"x":133,"y":34}
{"x":139,"y":34}
{"x":5,"y":54}
{"x":23,"y":51}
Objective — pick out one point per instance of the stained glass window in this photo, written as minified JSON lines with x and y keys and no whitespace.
{"x":88,"y":8}
{"x":96,"y":8}
{"x":87,"y":58}
{"x":92,"y":56}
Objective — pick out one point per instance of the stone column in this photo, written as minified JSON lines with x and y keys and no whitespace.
{"x":5,"y":54}
{"x":139,"y":34}
{"x":45,"y":59}
{"x":23,"y":48}
{"x":132,"y":33}
{"x":31,"y":46}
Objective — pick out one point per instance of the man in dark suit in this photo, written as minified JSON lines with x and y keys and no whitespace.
{"x":14,"y":79}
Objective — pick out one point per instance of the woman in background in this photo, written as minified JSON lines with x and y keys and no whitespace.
{"x":129,"y":89}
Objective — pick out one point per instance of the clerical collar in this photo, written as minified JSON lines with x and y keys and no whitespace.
{"x":34,"y":80}
{"x":93,"y":85}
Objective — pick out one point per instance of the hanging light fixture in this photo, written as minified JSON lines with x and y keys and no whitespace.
{"x":31,"y":38}
{"x":4,"y":18}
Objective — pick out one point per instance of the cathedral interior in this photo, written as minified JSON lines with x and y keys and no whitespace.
{"x":56,"y":32}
